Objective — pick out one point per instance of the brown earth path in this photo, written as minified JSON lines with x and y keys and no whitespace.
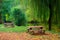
{"x":26,"y":36}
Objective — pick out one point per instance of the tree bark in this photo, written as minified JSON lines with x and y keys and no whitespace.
{"x":0,"y":18}
{"x":0,"y":12}
{"x":50,"y":17}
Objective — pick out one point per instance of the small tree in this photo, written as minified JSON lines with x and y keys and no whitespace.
{"x":19,"y":17}
{"x":5,"y":15}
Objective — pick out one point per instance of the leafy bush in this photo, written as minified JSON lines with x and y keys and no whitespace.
{"x":19,"y":17}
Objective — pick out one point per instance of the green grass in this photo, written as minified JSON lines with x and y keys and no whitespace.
{"x":14,"y":29}
{"x":24,"y":29}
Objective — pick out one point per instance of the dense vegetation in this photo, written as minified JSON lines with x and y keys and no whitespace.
{"x":31,"y":12}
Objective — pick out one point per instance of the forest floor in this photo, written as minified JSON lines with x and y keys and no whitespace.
{"x":27,"y":36}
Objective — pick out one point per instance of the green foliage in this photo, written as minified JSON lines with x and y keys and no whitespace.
{"x":33,"y":9}
{"x":19,"y":17}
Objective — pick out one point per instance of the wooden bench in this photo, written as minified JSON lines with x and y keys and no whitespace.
{"x":36,"y":30}
{"x":8,"y":24}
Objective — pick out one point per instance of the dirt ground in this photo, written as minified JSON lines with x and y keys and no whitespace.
{"x":27,"y":36}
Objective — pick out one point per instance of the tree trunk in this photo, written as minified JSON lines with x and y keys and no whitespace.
{"x":0,"y":12}
{"x":0,"y":18}
{"x":50,"y":17}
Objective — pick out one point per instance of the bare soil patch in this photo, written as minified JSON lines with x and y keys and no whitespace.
{"x":27,"y":36}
